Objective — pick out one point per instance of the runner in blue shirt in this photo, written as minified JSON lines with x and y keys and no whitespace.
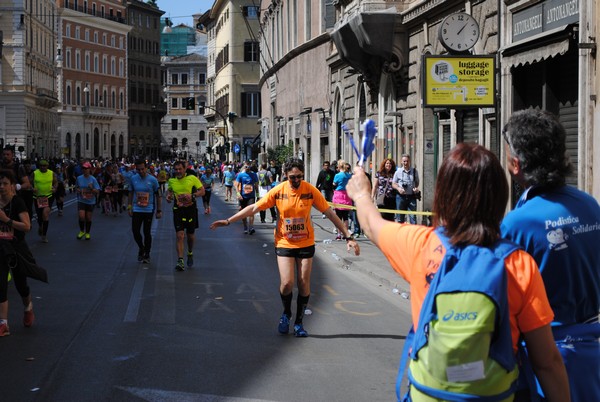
{"x":228,"y":179}
{"x":207,"y":179}
{"x":87,"y":188}
{"x":246,"y":183}
{"x":143,"y":200}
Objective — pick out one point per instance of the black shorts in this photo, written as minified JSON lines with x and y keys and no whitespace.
{"x":185,"y":219}
{"x":82,"y":206}
{"x":304,"y":252}
{"x":244,"y":202}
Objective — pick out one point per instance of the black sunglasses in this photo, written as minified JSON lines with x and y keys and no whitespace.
{"x":295,"y":177}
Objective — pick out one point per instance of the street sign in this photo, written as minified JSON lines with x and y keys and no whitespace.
{"x":236,"y":148}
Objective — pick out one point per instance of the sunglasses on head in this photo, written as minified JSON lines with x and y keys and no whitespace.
{"x":295,"y":177}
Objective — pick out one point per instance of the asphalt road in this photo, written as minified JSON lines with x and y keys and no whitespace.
{"x":111,"y":329}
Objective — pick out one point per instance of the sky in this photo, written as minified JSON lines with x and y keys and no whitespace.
{"x":180,"y":11}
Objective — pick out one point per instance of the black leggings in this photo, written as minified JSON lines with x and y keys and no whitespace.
{"x":138,"y":220}
{"x":18,"y":278}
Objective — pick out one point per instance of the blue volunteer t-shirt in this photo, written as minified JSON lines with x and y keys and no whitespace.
{"x":207,"y":181}
{"x":144,"y":190}
{"x":560,"y":228}
{"x":229,"y":177}
{"x":341,"y":180}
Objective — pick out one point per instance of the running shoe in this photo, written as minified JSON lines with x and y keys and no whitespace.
{"x":80,"y":235}
{"x":252,"y":231}
{"x":88,"y":236}
{"x":4,"y":331}
{"x":140,"y":256}
{"x":146,"y":259}
{"x":180,"y":266}
{"x":28,"y":318}
{"x":190,"y":259}
{"x":60,"y":212}
{"x":245,"y":230}
{"x":44,"y":239}
{"x":299,"y":331}
{"x":284,"y":324}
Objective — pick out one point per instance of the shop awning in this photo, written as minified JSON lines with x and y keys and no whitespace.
{"x":537,"y":48}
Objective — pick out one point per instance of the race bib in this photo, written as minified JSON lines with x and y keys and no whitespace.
{"x":42,"y":202}
{"x":142,"y":198}
{"x":6,"y":232}
{"x":248,"y":188}
{"x":294,"y":229}
{"x":184,"y":200}
{"x":87,"y":194}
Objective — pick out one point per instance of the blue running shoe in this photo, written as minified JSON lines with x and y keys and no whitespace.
{"x":299,"y":331}
{"x":284,"y":324}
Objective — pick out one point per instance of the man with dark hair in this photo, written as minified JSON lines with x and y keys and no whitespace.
{"x":559,"y":226}
{"x":325,"y":181}
{"x":406,"y":183}
{"x":183,"y":189}
{"x":44,"y":183}
{"x":144,"y":199}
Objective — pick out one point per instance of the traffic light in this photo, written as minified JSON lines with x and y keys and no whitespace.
{"x":191,"y":103}
{"x":208,"y":150}
{"x":227,"y":147}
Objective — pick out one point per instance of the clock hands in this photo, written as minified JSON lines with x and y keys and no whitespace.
{"x":460,"y":30}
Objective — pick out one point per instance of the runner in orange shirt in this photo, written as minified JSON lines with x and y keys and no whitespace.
{"x":294,"y":237}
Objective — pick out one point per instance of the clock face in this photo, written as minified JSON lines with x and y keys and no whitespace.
{"x":459,"y":32}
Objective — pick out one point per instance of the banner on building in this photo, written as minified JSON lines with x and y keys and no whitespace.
{"x":459,"y":81}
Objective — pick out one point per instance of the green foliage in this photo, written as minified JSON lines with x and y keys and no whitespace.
{"x":281,"y":153}
{"x":152,"y":3}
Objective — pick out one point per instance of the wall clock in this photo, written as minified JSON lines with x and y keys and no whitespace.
{"x":459,"y":32}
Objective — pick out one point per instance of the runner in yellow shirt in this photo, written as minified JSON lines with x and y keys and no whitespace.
{"x":183,"y":189}
{"x":294,"y":237}
{"x":45,"y":182}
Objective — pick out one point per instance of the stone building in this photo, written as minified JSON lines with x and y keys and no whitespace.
{"x":233,"y":103}
{"x":92,"y":79}
{"x":376,"y":69}
{"x":145,"y":103}
{"x":28,"y":89}
{"x":184,"y":128}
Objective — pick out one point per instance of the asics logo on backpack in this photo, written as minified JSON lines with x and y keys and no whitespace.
{"x":466,"y":316}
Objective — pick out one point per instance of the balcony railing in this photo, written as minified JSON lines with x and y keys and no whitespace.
{"x":69,"y":4}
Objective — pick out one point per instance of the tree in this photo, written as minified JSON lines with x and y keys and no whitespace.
{"x":281,"y":153}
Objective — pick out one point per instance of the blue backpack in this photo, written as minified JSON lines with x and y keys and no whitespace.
{"x":461,"y":349}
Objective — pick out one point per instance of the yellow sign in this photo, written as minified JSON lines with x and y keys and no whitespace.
{"x":456,"y":81}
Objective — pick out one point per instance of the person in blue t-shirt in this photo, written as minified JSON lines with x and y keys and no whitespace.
{"x":208,"y":180}
{"x":340,"y":197}
{"x":228,"y":179}
{"x":143,"y":201}
{"x":87,"y":189}
{"x":246,"y":183}
{"x":559,"y":226}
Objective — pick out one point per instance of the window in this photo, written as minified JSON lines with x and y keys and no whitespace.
{"x":250,"y":104}
{"x":68,"y":58}
{"x":95,"y":36}
{"x":68,"y":95}
{"x":250,"y":51}
{"x":184,"y":79}
{"x":174,"y":79}
{"x":96,"y":64}
{"x":104,"y":65}
{"x":87,"y":62}
{"x":121,"y":100}
{"x":174,"y":125}
{"x":87,"y":35}
{"x":77,"y":60}
{"x":174,"y":102}
{"x":77,"y":33}
{"x":202,"y":78}
{"x":184,"y":123}
{"x":68,"y":31}
{"x":250,"y":11}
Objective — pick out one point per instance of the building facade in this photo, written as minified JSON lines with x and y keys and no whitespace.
{"x":294,"y":82}
{"x":92,"y":78}
{"x":145,"y":103}
{"x":376,"y":70}
{"x":184,"y":128}
{"x":233,"y":104}
{"x":28,"y":89}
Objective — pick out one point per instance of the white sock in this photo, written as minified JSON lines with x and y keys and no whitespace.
{"x":29,"y":307}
